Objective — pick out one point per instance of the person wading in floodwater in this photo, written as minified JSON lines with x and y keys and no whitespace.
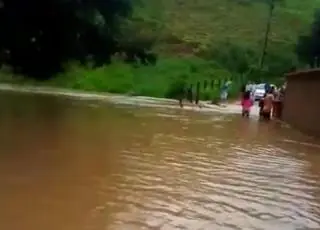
{"x":246,"y":104}
{"x":178,"y":90}
{"x":224,"y":92}
{"x":181,"y":96}
{"x":267,"y":105}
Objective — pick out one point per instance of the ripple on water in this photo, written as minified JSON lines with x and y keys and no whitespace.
{"x":235,"y":187}
{"x":137,"y":168}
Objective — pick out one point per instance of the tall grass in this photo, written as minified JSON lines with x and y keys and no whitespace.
{"x":166,"y":79}
{"x":228,"y":32}
{"x":206,"y":22}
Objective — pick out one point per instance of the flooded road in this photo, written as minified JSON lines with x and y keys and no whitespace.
{"x":76,"y":165}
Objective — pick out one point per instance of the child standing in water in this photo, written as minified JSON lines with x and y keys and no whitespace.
{"x":246,"y":103}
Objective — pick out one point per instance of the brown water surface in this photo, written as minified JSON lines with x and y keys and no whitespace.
{"x":75,"y":165}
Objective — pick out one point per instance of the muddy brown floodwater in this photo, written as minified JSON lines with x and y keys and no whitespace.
{"x":76,"y":165}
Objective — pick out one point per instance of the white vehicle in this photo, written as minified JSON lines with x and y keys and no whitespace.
{"x":258,"y":92}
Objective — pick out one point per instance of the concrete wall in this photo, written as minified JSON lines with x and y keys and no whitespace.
{"x":302,"y":101}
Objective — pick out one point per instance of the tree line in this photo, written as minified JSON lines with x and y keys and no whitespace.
{"x":308,"y":46}
{"x":38,"y":36}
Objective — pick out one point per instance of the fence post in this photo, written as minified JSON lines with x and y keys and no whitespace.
{"x":205,"y":84}
{"x":212,"y":84}
{"x":197,"y":93}
{"x":315,"y":62}
{"x":189,"y":94}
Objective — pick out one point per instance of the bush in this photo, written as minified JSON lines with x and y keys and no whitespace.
{"x":243,"y":61}
{"x":169,"y":78}
{"x":235,"y":58}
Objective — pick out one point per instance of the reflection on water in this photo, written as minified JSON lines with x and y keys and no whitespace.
{"x":68,"y":165}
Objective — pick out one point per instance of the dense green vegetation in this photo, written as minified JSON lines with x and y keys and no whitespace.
{"x":144,"y":47}
{"x":38,"y":37}
{"x":308,"y":46}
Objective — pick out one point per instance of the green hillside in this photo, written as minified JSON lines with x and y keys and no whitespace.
{"x":197,"y":41}
{"x":189,"y":26}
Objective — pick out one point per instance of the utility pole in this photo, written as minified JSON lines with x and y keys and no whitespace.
{"x":266,"y":37}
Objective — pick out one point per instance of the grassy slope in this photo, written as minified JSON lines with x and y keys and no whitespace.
{"x":187,"y":26}
{"x":207,"y":22}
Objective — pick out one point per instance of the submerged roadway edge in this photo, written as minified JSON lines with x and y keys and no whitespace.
{"x":232,"y":108}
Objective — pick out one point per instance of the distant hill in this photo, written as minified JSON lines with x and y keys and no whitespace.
{"x":189,"y":26}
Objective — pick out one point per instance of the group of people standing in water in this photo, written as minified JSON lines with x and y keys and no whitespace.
{"x":265,"y":103}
